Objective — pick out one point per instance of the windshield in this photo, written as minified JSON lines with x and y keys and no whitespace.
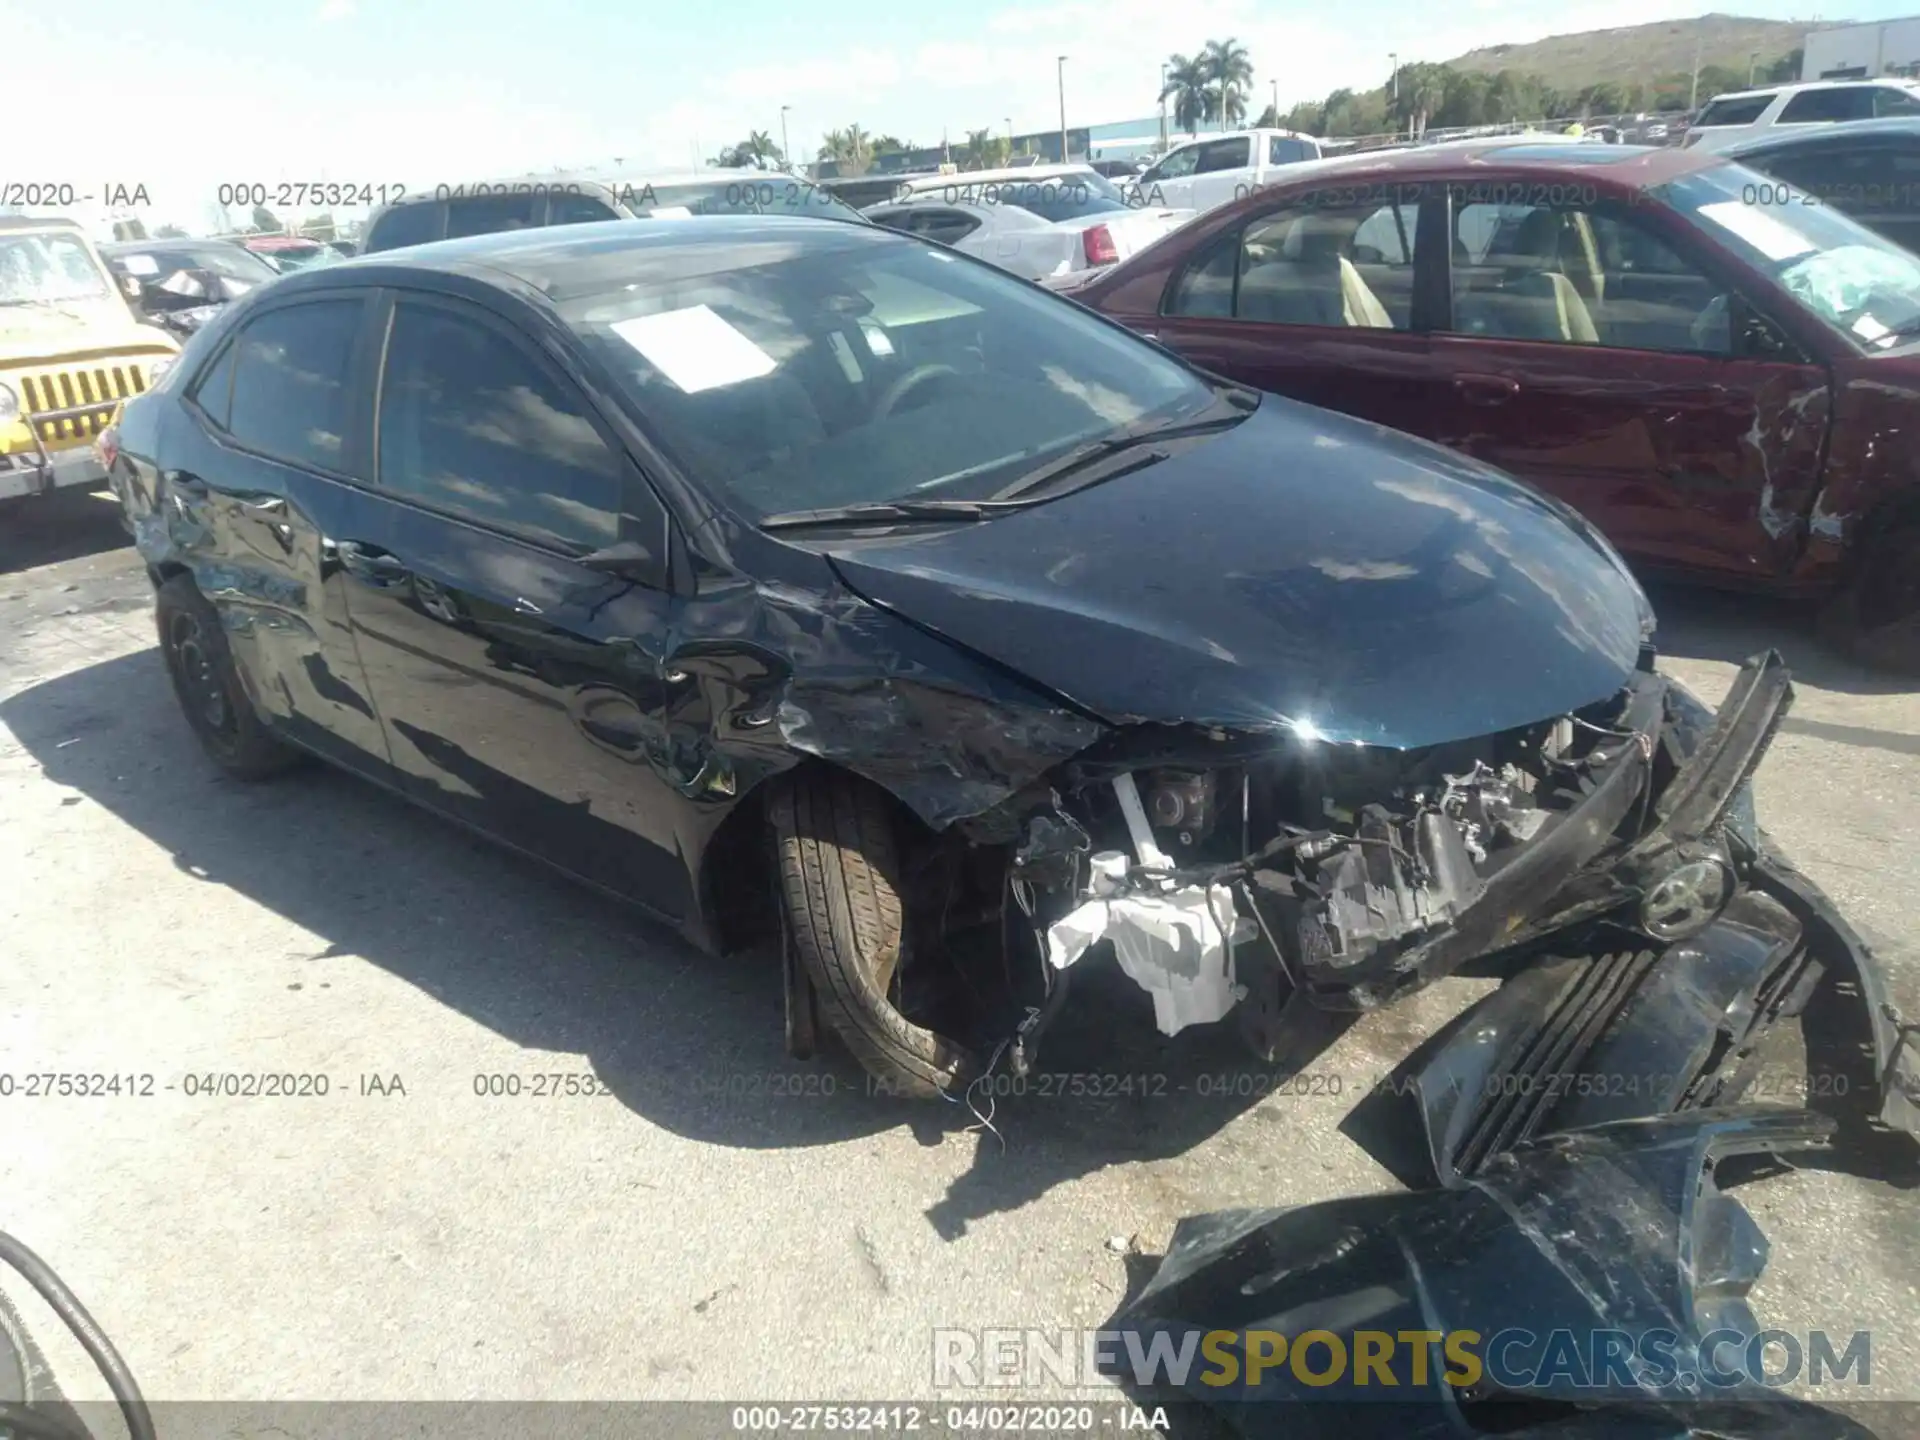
{"x":47,"y":268}
{"x":748,"y":195}
{"x":869,"y":370}
{"x":1866,"y":287}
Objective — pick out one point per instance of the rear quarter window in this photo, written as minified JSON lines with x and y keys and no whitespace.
{"x":1743,"y":111}
{"x":407,"y":225}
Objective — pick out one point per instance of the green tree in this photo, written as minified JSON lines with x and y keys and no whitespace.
{"x":850,"y":149}
{"x":985,"y":151}
{"x":892,"y":145}
{"x":756,"y":152}
{"x":1786,"y":68}
{"x":169,"y":232}
{"x":1188,"y":86}
{"x":1230,"y":71}
{"x":1423,"y":88}
{"x":263,"y":219}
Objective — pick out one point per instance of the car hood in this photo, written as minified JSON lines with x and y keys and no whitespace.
{"x":73,"y":328}
{"x":1303,"y":569}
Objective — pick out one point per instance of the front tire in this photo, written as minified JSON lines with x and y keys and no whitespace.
{"x":207,"y":684}
{"x":839,"y":867}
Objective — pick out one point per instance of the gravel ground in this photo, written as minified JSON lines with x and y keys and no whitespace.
{"x":724,"y":1223}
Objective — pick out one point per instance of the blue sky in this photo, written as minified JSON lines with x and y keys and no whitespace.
{"x":182,"y":98}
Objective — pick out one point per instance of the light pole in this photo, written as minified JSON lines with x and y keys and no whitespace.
{"x":786,"y":155}
{"x":1752,"y":61}
{"x":1009,"y":120}
{"x":1163,"y":106}
{"x":1276,"y":102}
{"x":1062,"y":72}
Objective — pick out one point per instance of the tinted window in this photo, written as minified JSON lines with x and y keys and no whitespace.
{"x":751,"y":195}
{"x":1310,"y":264}
{"x":1234,"y":154}
{"x":1068,"y":198}
{"x":1846,"y":102}
{"x":406,"y":225}
{"x":215,"y":388}
{"x":290,"y":382}
{"x":1733,"y":112}
{"x":567,"y":208}
{"x":793,"y":376}
{"x":945,"y":226}
{"x":1282,"y":151}
{"x":1579,"y":277}
{"x":471,"y":425}
{"x":485,"y":214}
{"x":1888,"y":101}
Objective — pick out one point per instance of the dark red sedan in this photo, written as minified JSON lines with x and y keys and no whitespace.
{"x":1721,"y":373}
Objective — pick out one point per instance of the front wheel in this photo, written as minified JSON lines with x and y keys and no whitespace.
{"x":208,"y":686}
{"x":1876,"y":619}
{"x":840,"y":883}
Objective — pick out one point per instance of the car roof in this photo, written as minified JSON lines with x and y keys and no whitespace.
{"x":39,"y":222}
{"x":1791,"y":138}
{"x":563,"y":260}
{"x":1794,"y":88}
{"x":614,"y":179}
{"x":994,"y":177}
{"x":1627,"y":167}
{"x":278,"y":242}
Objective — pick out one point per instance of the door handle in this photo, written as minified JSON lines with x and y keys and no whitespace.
{"x":369,"y":562}
{"x":1486,"y":389}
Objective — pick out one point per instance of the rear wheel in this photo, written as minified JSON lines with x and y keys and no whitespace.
{"x":208,"y":685}
{"x":840,"y":882}
{"x":1876,"y":619}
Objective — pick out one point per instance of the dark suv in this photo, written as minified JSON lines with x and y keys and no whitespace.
{"x":448,"y":212}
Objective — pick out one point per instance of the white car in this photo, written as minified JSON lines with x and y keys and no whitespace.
{"x":1218,"y":168}
{"x":1749,"y":114}
{"x":1052,"y":224}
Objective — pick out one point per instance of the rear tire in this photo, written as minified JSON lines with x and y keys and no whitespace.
{"x":207,"y":684}
{"x":1876,"y":619}
{"x":838,"y":853}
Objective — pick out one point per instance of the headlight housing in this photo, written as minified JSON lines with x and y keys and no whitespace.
{"x":9,"y":405}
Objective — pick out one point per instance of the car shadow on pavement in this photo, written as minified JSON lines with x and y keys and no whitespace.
{"x":38,"y":530}
{"x":691,"y":1042}
{"x":1702,"y":624}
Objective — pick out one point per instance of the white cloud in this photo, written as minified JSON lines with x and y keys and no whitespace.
{"x":334,"y":10}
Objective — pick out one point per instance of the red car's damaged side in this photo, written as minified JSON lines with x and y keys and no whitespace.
{"x":1766,"y":445}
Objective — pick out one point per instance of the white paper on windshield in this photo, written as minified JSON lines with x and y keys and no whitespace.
{"x":1769,"y":236}
{"x":670,"y":212}
{"x":140,"y":264}
{"x":877,"y":340}
{"x":695,"y":348}
{"x":1869,"y":329}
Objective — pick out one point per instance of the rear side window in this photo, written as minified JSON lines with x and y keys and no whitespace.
{"x":1888,"y":101}
{"x":1283,"y":151}
{"x":471,"y":425}
{"x":290,"y":382}
{"x":1846,"y":102}
{"x":407,"y":225}
{"x":486,"y":214}
{"x":1742,"y":111}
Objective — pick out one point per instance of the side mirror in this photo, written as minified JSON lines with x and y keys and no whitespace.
{"x":628,"y":560}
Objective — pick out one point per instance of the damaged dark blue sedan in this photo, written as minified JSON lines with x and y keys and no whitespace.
{"x":809,"y":581}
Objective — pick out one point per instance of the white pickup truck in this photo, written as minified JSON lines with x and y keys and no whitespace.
{"x":1214,"y":169}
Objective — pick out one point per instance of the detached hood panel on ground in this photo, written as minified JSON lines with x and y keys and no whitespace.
{"x":1303,"y":568}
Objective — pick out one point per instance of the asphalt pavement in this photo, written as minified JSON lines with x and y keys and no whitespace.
{"x":692,"y":1215}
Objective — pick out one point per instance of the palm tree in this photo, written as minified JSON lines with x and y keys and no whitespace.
{"x":759,"y":144}
{"x":1187,"y":87}
{"x":851,"y":149}
{"x":1230,"y":70}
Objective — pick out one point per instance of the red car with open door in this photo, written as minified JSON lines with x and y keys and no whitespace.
{"x":1720,"y":372}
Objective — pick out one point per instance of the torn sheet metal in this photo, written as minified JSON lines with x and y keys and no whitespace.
{"x":1617,"y":1231}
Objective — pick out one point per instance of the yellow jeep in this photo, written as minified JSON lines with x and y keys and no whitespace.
{"x":70,"y":351}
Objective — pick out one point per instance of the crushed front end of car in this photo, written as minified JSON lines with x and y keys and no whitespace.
{"x":1609,"y":855}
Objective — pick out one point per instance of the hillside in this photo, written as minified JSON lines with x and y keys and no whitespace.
{"x":1641,"y":52}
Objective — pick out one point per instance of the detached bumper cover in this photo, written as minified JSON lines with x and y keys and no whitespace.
{"x":1617,"y":1235}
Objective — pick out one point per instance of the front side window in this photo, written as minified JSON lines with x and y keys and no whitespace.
{"x":48,"y":268}
{"x":1889,"y":101}
{"x":1177,"y":166}
{"x":1822,"y":260}
{"x":1234,"y":154}
{"x":414,"y":224}
{"x":1310,"y":263}
{"x":859,"y":369}
{"x":488,"y":214}
{"x":1579,"y":276}
{"x":470,"y":424}
{"x":570,"y":208}
{"x":290,"y":382}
